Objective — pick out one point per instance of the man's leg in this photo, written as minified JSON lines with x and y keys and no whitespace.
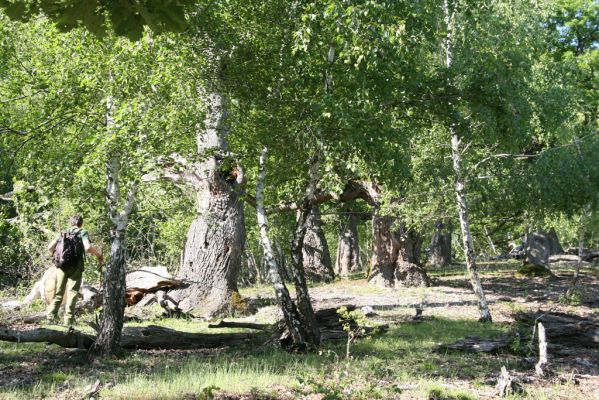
{"x":73,"y":285}
{"x":60,"y":284}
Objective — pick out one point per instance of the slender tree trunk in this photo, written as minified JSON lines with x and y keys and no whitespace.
{"x":348,"y":250}
{"x":293,"y":320}
{"x":215,"y":240}
{"x":113,"y":303}
{"x":316,"y":256}
{"x":440,"y":250}
{"x":490,"y":241}
{"x":467,"y":243}
{"x":304,"y":304}
{"x":460,"y":187}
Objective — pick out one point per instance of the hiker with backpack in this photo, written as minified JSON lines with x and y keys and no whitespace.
{"x":68,"y":254}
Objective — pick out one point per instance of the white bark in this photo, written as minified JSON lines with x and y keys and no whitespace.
{"x":539,"y":367}
{"x":460,"y":188}
{"x":290,"y":313}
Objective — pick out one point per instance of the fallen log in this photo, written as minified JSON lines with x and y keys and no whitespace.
{"x":69,"y":339}
{"x":156,"y":337}
{"x":563,"y":258}
{"x":565,"y":329}
{"x":476,"y":344}
{"x":247,"y":325}
{"x":591,"y":255}
{"x":148,"y":280}
{"x":150,"y":337}
{"x":45,"y":288}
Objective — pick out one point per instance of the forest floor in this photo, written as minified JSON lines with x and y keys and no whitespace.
{"x":403,"y":363}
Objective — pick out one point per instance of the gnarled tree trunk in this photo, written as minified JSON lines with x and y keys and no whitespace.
{"x":348,"y":251}
{"x":395,"y":255}
{"x":440,"y":250}
{"x":316,"y":255}
{"x":215,"y":240}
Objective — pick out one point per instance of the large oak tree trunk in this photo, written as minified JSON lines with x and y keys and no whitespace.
{"x":316,"y":255}
{"x":440,"y":250}
{"x":395,"y":255}
{"x":215,"y":240}
{"x":348,"y":251}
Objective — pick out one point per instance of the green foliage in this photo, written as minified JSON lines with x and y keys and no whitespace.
{"x":572,"y":299}
{"x":102,"y":17}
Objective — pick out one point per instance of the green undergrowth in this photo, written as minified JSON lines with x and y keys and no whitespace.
{"x":378,"y":367}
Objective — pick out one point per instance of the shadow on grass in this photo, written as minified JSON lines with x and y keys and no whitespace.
{"x":406,"y":350}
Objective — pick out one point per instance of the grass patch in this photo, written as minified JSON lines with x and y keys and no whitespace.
{"x":404,"y":354}
{"x":197,"y":377}
{"x":533,"y":271}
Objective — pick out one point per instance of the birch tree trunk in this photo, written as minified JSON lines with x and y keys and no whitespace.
{"x":113,"y":303}
{"x":215,"y":240}
{"x":467,"y":243}
{"x":304,"y":303}
{"x":460,"y":187}
{"x":293,"y":320}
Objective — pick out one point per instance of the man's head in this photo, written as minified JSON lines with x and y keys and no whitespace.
{"x":76,"y":220}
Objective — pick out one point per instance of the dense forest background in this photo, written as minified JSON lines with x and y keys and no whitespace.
{"x":363,"y":85}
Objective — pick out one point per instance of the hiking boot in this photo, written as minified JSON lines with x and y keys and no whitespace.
{"x":52,"y":320}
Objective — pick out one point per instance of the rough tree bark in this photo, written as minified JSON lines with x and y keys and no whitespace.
{"x":395,"y":255}
{"x":536,"y":249}
{"x":348,"y":250}
{"x":460,"y":187}
{"x":315,"y":251}
{"x":555,"y":246}
{"x":215,"y":240}
{"x":300,"y":336}
{"x":440,"y":250}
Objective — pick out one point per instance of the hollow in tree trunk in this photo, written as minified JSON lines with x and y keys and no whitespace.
{"x":316,"y":256}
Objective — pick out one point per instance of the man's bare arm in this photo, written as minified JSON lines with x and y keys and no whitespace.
{"x":95,"y":250}
{"x":52,"y":246}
